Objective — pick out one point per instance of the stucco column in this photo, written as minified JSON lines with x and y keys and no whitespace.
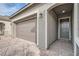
{"x":42,"y":29}
{"x":13,"y":27}
{"x":76,"y":18}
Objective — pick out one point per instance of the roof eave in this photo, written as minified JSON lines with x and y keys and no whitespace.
{"x":30,"y":4}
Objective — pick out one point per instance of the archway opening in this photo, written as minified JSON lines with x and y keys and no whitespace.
{"x":59,"y":29}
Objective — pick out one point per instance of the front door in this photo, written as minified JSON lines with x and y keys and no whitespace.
{"x":64,"y":28}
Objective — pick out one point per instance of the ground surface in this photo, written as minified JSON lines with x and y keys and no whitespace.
{"x":59,"y":48}
{"x":17,"y":47}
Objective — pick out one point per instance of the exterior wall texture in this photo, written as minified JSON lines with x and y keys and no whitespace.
{"x":29,"y":11}
{"x":42,"y":26}
{"x":51,"y":28}
{"x":78,"y":21}
{"x":46,"y":24}
{"x":41,"y":30}
{"x":7,"y":31}
{"x":41,"y":22}
{"x":76,"y":38}
{"x":44,"y":36}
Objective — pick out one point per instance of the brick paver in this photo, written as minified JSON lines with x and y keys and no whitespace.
{"x":17,"y":47}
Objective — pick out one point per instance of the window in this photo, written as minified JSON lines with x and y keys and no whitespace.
{"x":2,"y":25}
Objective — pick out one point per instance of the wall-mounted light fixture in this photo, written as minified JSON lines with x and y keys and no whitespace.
{"x":41,"y":15}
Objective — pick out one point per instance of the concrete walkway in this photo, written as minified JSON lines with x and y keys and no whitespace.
{"x":59,"y":48}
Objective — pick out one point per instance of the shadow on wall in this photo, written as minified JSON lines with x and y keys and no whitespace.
{"x":33,"y":29}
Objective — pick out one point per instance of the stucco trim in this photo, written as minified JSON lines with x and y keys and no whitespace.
{"x":37,"y":28}
{"x":46,"y":29}
{"x":54,"y":5}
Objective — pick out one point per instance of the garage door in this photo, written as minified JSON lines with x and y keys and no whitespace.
{"x":26,"y":30}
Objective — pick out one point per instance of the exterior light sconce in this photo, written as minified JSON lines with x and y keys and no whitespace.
{"x":41,"y":15}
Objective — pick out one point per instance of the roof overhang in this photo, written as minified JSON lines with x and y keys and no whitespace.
{"x":22,"y":9}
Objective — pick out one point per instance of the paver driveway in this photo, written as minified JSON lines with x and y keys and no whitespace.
{"x":17,"y":47}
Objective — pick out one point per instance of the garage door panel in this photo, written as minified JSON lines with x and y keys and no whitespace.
{"x":26,"y":30}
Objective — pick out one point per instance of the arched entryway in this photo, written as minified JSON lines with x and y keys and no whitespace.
{"x":59,"y":29}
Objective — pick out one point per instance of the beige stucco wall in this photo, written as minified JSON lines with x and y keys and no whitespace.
{"x":27,"y":12}
{"x":41,"y":30}
{"x":13,"y":28}
{"x":7,"y":30}
{"x":51,"y":28}
{"x":76,"y":18}
{"x":42,"y":26}
{"x":41,"y":22}
{"x":43,"y":40}
{"x":78,"y":21}
{"x":31,"y":10}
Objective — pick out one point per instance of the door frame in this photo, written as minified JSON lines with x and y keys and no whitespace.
{"x":69,"y":27}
